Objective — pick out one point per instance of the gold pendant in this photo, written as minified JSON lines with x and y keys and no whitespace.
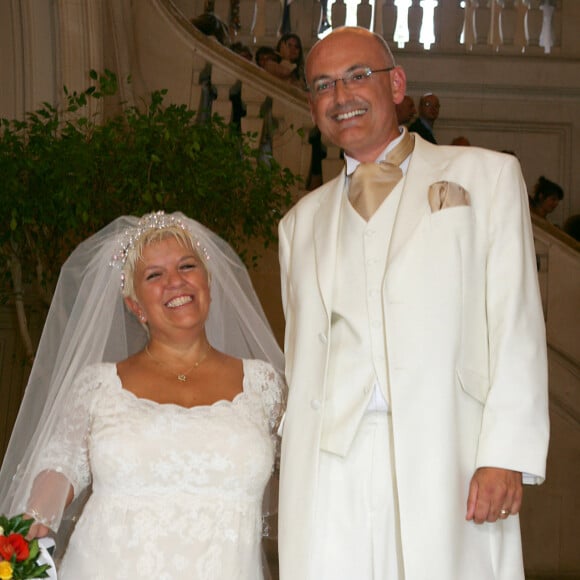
{"x":182,"y":378}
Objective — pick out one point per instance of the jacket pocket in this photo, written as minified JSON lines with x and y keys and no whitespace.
{"x":452,"y":217}
{"x":474,"y":384}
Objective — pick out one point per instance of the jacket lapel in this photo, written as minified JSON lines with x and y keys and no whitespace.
{"x":326,"y":223}
{"x":426,"y":167}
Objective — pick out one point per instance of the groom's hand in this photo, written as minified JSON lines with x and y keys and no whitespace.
{"x":494,"y":494}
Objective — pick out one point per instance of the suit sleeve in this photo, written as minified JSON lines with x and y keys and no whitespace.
{"x":515,"y":427}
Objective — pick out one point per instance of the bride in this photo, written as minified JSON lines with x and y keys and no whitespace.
{"x":156,"y":391}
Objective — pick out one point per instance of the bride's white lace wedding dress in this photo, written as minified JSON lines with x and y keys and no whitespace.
{"x":176,"y":492}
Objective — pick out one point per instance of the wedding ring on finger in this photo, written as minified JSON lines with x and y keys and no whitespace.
{"x":504,"y":513}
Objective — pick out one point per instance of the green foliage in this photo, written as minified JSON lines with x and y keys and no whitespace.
{"x":15,"y":525}
{"x":68,"y":172}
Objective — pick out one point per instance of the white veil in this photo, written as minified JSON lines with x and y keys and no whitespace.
{"x":88,"y":323}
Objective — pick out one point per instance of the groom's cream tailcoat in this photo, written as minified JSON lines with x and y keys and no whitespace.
{"x":466,"y":357}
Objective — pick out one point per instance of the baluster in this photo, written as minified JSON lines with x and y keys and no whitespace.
{"x":508,"y":22}
{"x":269,"y":125}
{"x":234,"y":18}
{"x":239,"y":110}
{"x":246,"y":13}
{"x":208,"y":95}
{"x":427,"y":33}
{"x":273,"y":10}
{"x":546,"y":36}
{"x":494,"y":37}
{"x":389,"y":20}
{"x":521,"y":35}
{"x":378,"y":20}
{"x":449,"y":22}
{"x":259,"y":20}
{"x":401,"y":34}
{"x":364,"y":12}
{"x":321,"y":15}
{"x":468,"y":34}
{"x":535,"y":20}
{"x":300,"y":23}
{"x":317,"y":16}
{"x":482,"y":23}
{"x":414,"y":23}
{"x":338,"y":13}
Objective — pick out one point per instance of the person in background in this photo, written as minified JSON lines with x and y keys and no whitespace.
{"x":461,"y":141}
{"x":545,"y":198}
{"x":415,"y":345}
{"x":159,"y":405}
{"x":242,"y":50}
{"x":291,"y":53}
{"x":211,"y":25}
{"x":265,"y":54}
{"x":286,"y":62}
{"x":406,"y":110}
{"x":428,"y":113}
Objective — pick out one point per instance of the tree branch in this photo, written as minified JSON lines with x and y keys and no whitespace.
{"x":16,"y":273}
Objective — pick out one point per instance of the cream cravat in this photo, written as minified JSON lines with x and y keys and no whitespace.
{"x":371,"y":183}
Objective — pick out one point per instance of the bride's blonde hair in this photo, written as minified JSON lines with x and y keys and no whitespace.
{"x":151,"y":236}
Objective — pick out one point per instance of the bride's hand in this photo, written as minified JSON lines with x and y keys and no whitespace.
{"x":37,"y":530}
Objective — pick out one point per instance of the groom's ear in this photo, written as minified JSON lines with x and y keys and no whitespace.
{"x":398,"y":84}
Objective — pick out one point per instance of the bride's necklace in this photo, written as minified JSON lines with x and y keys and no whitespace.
{"x":182,"y":377}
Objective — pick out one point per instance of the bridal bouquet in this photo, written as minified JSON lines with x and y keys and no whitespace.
{"x":18,"y":556}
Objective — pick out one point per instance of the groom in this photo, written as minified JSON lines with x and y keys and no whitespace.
{"x":415,"y":347}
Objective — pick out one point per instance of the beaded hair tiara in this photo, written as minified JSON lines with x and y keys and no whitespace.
{"x":152,"y":221}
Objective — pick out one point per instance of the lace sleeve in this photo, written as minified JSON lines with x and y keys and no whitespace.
{"x":273,"y":391}
{"x":271,"y":388}
{"x":63,"y":461}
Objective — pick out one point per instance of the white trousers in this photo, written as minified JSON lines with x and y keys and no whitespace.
{"x":356,"y":531}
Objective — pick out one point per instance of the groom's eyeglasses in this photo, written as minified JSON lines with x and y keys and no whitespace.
{"x":355,"y":77}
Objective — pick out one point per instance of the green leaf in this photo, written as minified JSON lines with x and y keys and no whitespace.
{"x":34,"y":550}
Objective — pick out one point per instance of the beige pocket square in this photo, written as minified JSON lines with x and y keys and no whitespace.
{"x":444,"y":194}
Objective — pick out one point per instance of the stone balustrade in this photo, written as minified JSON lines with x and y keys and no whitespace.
{"x":526,"y":27}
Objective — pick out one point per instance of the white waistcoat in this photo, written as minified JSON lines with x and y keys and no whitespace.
{"x":357,"y":363}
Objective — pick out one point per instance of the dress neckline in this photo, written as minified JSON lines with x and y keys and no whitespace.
{"x":215,"y":404}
